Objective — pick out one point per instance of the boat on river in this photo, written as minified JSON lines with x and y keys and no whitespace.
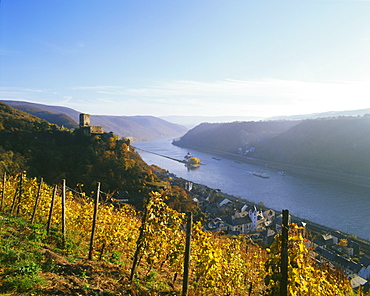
{"x":261,"y":174}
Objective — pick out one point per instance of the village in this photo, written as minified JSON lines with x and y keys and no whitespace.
{"x":234,"y":216}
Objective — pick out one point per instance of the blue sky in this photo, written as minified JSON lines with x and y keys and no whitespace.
{"x":191,"y":57}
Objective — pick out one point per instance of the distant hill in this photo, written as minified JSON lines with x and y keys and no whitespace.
{"x":336,"y":144}
{"x":56,"y":118}
{"x":137,"y":127}
{"x":329,"y":114}
{"x":54,"y":109}
{"x":192,"y":121}
{"x":340,"y":145}
{"x":231,"y":137}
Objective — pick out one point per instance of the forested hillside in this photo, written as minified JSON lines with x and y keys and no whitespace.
{"x":55,"y":153}
{"x":60,"y":119}
{"x":339,"y":144}
{"x":336,"y":144}
{"x":137,"y":127}
{"x":232,"y":136}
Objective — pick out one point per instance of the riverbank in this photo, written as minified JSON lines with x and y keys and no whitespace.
{"x":330,"y":175}
{"x":337,"y":205}
{"x":313,"y":228}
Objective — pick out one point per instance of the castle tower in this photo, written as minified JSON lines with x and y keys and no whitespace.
{"x":84,"y":120}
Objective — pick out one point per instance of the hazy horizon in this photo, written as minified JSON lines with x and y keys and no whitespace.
{"x":254,"y":59}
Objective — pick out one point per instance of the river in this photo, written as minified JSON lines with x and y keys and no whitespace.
{"x":338,"y":205}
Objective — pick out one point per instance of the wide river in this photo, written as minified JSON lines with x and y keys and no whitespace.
{"x":338,"y":205}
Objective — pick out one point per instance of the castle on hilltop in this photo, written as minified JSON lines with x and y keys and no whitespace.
{"x":85,"y":125}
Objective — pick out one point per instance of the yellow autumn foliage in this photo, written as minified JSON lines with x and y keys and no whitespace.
{"x":219,"y":265}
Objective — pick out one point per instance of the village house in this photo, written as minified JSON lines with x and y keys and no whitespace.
{"x":348,"y":266}
{"x":268,"y":236}
{"x":358,"y":282}
{"x":216,"y":224}
{"x":328,"y":240}
{"x":352,"y":249}
{"x":269,"y":216}
{"x":245,"y":220}
{"x":338,"y":243}
{"x":240,"y":222}
{"x":365,"y":270}
{"x":338,"y":249}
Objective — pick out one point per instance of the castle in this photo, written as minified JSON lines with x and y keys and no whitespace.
{"x":85,"y":125}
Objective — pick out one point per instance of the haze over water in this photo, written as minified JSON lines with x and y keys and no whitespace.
{"x":338,"y":205}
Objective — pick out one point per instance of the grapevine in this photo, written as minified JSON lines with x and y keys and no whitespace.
{"x":305,"y":277}
{"x":219,"y":265}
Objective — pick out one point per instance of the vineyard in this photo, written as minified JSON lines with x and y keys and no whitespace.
{"x":143,"y":252}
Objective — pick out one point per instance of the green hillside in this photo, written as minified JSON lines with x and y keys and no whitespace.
{"x":13,"y":119}
{"x":60,"y":119}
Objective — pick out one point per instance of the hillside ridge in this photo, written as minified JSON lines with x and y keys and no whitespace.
{"x":137,"y":127}
{"x":339,"y":145}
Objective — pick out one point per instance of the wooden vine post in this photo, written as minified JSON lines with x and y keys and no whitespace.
{"x":51,"y":209}
{"x":17,"y":194}
{"x":140,"y":241}
{"x":185,"y":283}
{"x":3,"y":193}
{"x":64,"y":212}
{"x":37,"y":201}
{"x":284,"y":254}
{"x":20,"y":193}
{"x":95,"y":217}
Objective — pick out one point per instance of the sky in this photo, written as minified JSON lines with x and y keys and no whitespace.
{"x":257,"y":58}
